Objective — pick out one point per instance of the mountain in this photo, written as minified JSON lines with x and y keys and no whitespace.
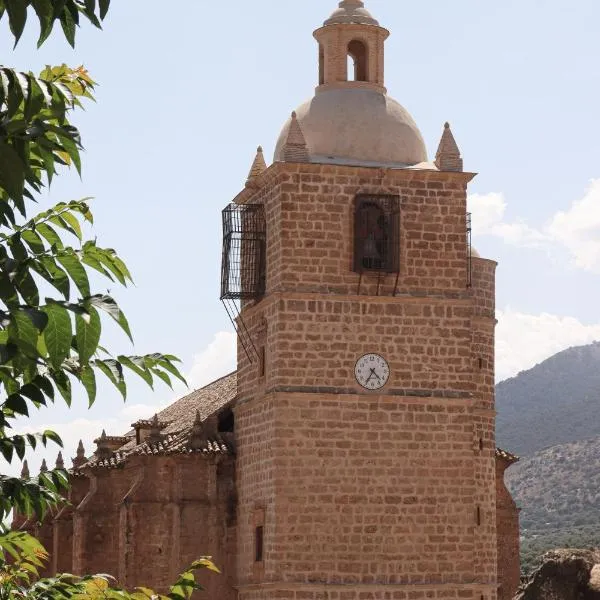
{"x":556,"y":402}
{"x":550,"y":416}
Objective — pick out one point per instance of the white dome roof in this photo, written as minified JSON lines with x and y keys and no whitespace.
{"x":357,"y":126}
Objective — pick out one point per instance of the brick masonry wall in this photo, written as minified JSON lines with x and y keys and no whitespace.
{"x":255,"y":468}
{"x":148,"y":521}
{"x":96,"y":524}
{"x":395,"y":488}
{"x":507,"y":523}
{"x":62,"y":544}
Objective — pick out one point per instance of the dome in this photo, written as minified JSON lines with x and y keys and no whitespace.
{"x":351,"y":11}
{"x":357,"y":126}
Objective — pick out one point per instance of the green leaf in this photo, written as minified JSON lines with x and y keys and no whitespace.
{"x":17,"y":17}
{"x":139,"y":368}
{"x":57,"y":334}
{"x":12,"y":173}
{"x":73,"y":223}
{"x":63,"y":383}
{"x":52,"y":436}
{"x":88,"y":379}
{"x":104,"y":6}
{"x":34,"y":393}
{"x":68,"y":25}
{"x":165,"y":363}
{"x":50,"y":234}
{"x":7,"y":353}
{"x":87,"y":334}
{"x":114,"y":371}
{"x":17,"y":404}
{"x":52,"y":273}
{"x":45,"y":13}
{"x":108,"y":305}
{"x":34,"y":241}
{"x":23,"y":332}
{"x":76,"y":271}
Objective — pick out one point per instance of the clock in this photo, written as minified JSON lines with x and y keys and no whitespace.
{"x":372,"y":371}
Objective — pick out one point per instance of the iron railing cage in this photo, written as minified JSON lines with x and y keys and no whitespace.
{"x":243,"y":262}
{"x":469,"y":250}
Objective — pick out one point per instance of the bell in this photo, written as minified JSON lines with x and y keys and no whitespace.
{"x":370,"y":251}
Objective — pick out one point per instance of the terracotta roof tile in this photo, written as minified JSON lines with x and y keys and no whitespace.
{"x":507,"y":456}
{"x":176,"y":423}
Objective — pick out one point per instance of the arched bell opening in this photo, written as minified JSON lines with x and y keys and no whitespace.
{"x":357,"y":61}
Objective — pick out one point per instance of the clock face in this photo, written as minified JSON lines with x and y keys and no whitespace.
{"x":372,"y":371}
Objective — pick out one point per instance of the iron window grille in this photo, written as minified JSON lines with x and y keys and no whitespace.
{"x":377,"y":234}
{"x":244,"y":252}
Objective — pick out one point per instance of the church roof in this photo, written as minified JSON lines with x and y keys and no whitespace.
{"x":177,"y":427}
{"x":207,"y":400}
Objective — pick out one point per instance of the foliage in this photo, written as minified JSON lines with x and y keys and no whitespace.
{"x":50,"y":317}
{"x":66,"y":12}
{"x":47,"y":342}
{"x":534,"y":546}
{"x":22,"y":557}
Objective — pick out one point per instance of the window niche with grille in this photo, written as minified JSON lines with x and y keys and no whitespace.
{"x":377,"y":234}
{"x":243,"y":264}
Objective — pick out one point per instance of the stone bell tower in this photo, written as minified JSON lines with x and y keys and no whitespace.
{"x":365,"y":409}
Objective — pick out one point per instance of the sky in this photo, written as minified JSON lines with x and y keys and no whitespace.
{"x":186,"y":95}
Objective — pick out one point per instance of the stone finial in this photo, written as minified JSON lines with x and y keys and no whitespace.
{"x":295,"y":149}
{"x":258,"y":166}
{"x":198,"y":436}
{"x":351,"y":11}
{"x":80,"y":459}
{"x":60,"y":463}
{"x":102,"y":445}
{"x":155,"y":430}
{"x":44,"y":467}
{"x":448,"y":156}
{"x":25,"y":471}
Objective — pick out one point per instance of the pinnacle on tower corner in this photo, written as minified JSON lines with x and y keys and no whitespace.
{"x":448,"y":156}
{"x":258,"y":166}
{"x":295,"y":149}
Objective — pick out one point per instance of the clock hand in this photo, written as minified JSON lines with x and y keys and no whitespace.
{"x":373,"y":372}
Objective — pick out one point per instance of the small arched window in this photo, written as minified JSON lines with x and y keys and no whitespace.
{"x":376,"y":234}
{"x":357,"y":59}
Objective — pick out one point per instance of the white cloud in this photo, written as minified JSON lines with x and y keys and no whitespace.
{"x":578,"y":228}
{"x":488,"y":219}
{"x":219,"y":359}
{"x":575,"y":230}
{"x":523,"y":340}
